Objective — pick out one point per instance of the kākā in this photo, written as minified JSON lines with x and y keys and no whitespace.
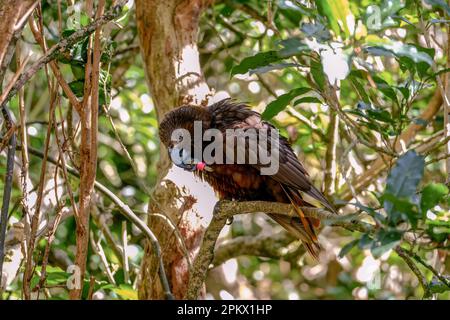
{"x":245,"y":181}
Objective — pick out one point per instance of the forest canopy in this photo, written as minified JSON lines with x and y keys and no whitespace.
{"x":91,"y":207}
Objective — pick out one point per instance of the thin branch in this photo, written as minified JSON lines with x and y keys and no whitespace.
{"x":126,"y":266}
{"x":28,"y":273}
{"x":98,"y":250}
{"x":129,"y":214}
{"x":330,"y":156}
{"x":441,"y":86}
{"x":7,"y":189}
{"x":267,"y":245}
{"x":61,"y":47}
{"x":422,"y":280}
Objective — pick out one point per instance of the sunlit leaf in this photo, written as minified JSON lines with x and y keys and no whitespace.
{"x":281,"y":102}
{"x":126,"y":292}
{"x":259,"y":60}
{"x":339,"y":15}
{"x":400,"y":49}
{"x":272,"y":67}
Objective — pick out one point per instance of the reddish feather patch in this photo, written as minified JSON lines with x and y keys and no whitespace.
{"x":201,"y":166}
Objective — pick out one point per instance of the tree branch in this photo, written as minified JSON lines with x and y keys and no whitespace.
{"x":7,"y":188}
{"x":267,"y":245}
{"x":61,"y":47}
{"x":227,"y":209}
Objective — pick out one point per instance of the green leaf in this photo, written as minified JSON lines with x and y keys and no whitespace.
{"x":272,"y":67}
{"x":432,"y":194}
{"x":259,"y":60}
{"x":437,"y":286}
{"x":316,"y":30}
{"x":291,"y":11}
{"x":338,"y":13}
{"x":385,"y":88}
{"x":399,"y":49}
{"x":441,"y":4}
{"x":398,"y":204}
{"x":365,"y":242}
{"x":442,"y":71}
{"x":292,"y":47}
{"x":317,"y":73}
{"x":77,"y":86}
{"x":346,"y":249}
{"x":84,"y":19}
{"x":307,"y":100}
{"x":377,"y":18}
{"x":278,"y":105}
{"x":359,"y":87}
{"x":401,"y":186}
{"x":67,"y":32}
{"x":405,"y":176}
{"x":126,"y":292}
{"x":384,"y":241}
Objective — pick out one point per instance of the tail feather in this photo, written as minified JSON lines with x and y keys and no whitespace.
{"x":294,"y":226}
{"x":302,"y":227}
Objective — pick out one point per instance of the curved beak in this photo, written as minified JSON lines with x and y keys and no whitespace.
{"x":181,"y":159}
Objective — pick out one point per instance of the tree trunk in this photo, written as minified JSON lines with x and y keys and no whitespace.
{"x":168,"y":39}
{"x":13,"y":15}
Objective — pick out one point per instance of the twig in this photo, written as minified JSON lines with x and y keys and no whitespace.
{"x":270,"y":246}
{"x":61,"y":47}
{"x":7,"y":189}
{"x":28,"y":273}
{"x":129,"y":214}
{"x":426,"y":265}
{"x":441,"y":86}
{"x":330,"y":156}
{"x":99,"y":221}
{"x":98,"y":250}
{"x":91,"y":288}
{"x":177,"y":233}
{"x":88,"y":149}
{"x":126,"y":267}
{"x":422,"y":280}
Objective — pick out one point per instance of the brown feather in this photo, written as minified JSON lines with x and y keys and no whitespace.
{"x":244,"y":182}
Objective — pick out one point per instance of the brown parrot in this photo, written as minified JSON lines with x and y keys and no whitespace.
{"x":244,"y":181}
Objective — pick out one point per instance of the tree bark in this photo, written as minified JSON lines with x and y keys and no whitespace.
{"x":13,"y":15}
{"x":168,"y":41}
